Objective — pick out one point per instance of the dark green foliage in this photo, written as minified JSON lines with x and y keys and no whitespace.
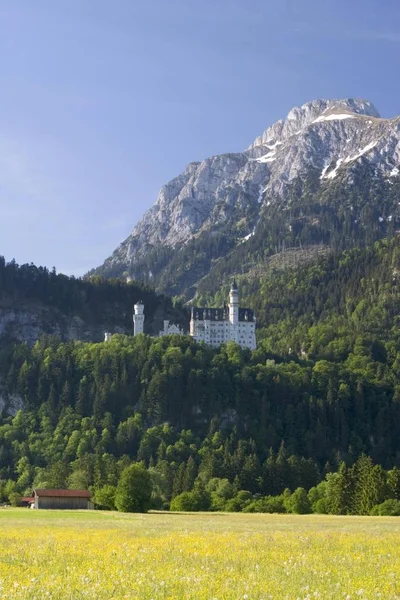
{"x":103,"y":305}
{"x":196,"y":500}
{"x":267,"y":504}
{"x":105,"y":497}
{"x":239,"y":502}
{"x":298,"y":502}
{"x":340,"y":491}
{"x":240,"y":430}
{"x":388,"y":508}
{"x":134,"y":489}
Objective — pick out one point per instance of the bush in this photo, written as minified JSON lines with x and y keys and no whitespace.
{"x":268,"y":504}
{"x":298,"y":503}
{"x":134,"y":489}
{"x":15,"y":499}
{"x":321,"y":507}
{"x":239,"y":502}
{"x":105,"y":497}
{"x":221,"y":490}
{"x":193,"y":501}
{"x":389,"y":508}
{"x":217,"y":502}
{"x":317,"y":497}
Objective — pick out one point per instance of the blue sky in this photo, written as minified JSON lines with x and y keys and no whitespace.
{"x":104,"y":101}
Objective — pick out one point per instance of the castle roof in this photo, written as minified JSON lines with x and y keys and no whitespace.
{"x":220,"y":314}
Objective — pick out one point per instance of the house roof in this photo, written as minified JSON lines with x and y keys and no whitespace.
{"x":63,"y":493}
{"x":27,"y":499}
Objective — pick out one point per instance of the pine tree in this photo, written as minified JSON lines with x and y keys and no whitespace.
{"x":393,"y":481}
{"x":189,"y":475}
{"x":369,"y":485}
{"x":340,"y":491}
{"x":179,"y":480}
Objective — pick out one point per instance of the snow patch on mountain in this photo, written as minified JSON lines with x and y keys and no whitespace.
{"x":363,"y":151}
{"x":323,"y":135}
{"x":332,"y":174}
{"x":248,"y":236}
{"x":270,"y":157}
{"x":333,"y":117}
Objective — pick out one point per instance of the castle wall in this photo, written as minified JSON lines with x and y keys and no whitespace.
{"x":214,"y":326}
{"x":217,"y":333}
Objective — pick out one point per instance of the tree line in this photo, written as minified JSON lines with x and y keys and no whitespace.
{"x":319,"y":392}
{"x":106,"y":304}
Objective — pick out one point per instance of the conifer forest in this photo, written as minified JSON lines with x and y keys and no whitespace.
{"x":308,"y":422}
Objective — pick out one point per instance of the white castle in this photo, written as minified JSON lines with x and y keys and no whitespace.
{"x":213,"y":326}
{"x":138,"y":322}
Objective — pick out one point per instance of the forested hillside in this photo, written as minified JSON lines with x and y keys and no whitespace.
{"x":35,"y":301}
{"x":329,"y":307}
{"x":320,"y":391}
{"x":337,"y":216}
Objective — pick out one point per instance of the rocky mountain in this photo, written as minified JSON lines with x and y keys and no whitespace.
{"x":326,"y":175}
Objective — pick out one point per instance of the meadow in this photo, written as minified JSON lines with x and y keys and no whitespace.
{"x":107,"y":555}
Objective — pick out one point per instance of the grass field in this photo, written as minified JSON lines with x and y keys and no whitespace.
{"x":73,"y":555}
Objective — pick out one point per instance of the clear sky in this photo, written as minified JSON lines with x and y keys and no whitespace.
{"x":103,"y":101}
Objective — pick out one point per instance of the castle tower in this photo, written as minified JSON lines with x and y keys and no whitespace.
{"x":192,"y":323}
{"x":234,"y":304}
{"x":138,"y":318}
{"x":234,"y":312}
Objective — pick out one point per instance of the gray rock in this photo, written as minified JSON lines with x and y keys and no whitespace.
{"x":327,"y":135}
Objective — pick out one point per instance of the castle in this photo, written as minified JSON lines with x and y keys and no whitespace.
{"x":213,"y":326}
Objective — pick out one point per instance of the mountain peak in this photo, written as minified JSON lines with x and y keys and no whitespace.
{"x":301,"y":116}
{"x":224,"y":202}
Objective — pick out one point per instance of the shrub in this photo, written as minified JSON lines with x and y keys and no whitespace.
{"x":389,"y":508}
{"x":221,"y":490}
{"x":268,"y":504}
{"x":298,"y":502}
{"x":14,"y":498}
{"x":105,"y":497}
{"x":134,"y":489}
{"x":317,"y":497}
{"x":239,"y":502}
{"x":193,"y":501}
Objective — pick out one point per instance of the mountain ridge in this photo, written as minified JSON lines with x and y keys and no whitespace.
{"x":229,"y":195}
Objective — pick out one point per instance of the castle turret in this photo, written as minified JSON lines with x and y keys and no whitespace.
{"x":138,"y":318}
{"x":192,"y":326}
{"x":234,"y":304}
{"x":234,"y":312}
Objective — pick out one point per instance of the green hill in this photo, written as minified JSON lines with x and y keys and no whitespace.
{"x":321,"y":388}
{"x":35,"y":302}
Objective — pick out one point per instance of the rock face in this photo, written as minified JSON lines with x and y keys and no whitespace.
{"x":35,"y":302}
{"x":29,"y":322}
{"x":233,"y":191}
{"x":10,"y":405}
